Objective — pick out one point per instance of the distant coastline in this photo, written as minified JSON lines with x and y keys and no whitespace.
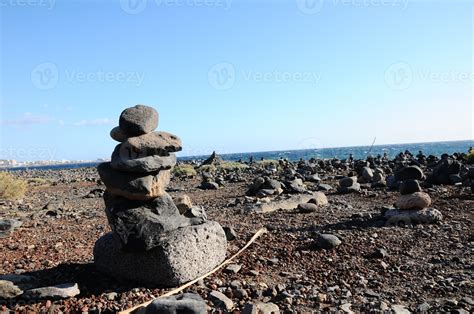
{"x":358,"y":152}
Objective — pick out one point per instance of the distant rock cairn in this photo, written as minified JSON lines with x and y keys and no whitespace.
{"x":151,"y":241}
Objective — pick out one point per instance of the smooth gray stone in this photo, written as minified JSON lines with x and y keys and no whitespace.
{"x":188,"y":253}
{"x":63,"y":291}
{"x":138,"y":120}
{"x":118,"y":135}
{"x":145,"y":164}
{"x":141,"y":226}
{"x":220,"y":300}
{"x":349,"y":189}
{"x":188,"y":303}
{"x":327,"y":241}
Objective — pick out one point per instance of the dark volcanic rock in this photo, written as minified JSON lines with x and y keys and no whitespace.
{"x":409,"y":186}
{"x":154,"y":143}
{"x":136,"y":186}
{"x":409,"y":172}
{"x":144,"y":225}
{"x":214,"y":159}
{"x":188,"y":253}
{"x":145,"y":164}
{"x":118,"y":135}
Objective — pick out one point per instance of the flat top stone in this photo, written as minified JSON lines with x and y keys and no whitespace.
{"x":138,"y":120}
{"x":155,"y":143}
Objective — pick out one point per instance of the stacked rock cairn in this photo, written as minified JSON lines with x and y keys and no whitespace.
{"x":151,"y":241}
{"x":412,"y":206}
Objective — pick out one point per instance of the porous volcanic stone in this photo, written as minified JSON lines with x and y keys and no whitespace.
{"x":189,"y":252}
{"x":145,"y":164}
{"x":134,"y":186}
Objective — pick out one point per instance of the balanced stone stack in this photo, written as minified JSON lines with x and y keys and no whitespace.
{"x":348,"y":185}
{"x":151,"y":241}
{"x":412,"y":206}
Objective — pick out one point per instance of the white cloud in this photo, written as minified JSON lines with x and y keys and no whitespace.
{"x":94,"y":122}
{"x":28,"y":118}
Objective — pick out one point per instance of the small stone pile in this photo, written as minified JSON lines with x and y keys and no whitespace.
{"x":412,"y":206}
{"x":348,"y":185}
{"x":151,"y":242}
{"x":264,"y":186}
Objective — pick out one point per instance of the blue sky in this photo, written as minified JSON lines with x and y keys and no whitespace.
{"x":234,"y":76}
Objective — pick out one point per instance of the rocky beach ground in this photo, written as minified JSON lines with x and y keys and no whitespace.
{"x":376,"y":267}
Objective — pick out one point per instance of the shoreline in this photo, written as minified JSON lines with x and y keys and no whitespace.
{"x":283,"y":154}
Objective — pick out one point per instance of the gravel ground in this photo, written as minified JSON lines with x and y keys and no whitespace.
{"x":423,"y":267}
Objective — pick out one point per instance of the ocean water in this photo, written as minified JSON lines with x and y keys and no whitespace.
{"x":358,"y":152}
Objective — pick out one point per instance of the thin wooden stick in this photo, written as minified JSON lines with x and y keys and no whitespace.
{"x":179,"y":289}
